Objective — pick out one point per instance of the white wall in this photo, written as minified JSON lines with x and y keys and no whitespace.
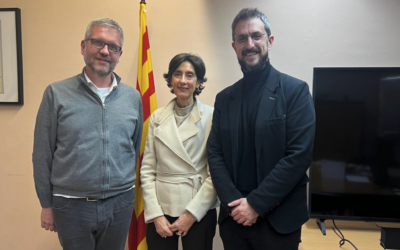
{"x":308,"y":33}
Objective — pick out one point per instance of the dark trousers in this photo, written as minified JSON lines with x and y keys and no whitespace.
{"x":199,"y":237}
{"x":93,"y":225}
{"x":259,"y":236}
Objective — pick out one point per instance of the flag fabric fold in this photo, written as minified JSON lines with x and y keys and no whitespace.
{"x":145,"y":85}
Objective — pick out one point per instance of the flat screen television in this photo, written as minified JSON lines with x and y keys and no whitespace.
{"x":355,"y":172}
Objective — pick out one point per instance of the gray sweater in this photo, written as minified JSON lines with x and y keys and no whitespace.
{"x":82,"y":147}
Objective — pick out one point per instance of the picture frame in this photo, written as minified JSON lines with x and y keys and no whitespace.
{"x":11,"y":76}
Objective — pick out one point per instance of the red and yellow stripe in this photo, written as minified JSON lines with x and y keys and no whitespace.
{"x":145,"y":85}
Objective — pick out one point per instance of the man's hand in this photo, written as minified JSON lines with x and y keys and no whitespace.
{"x":47,"y":219}
{"x":162,"y":226}
{"x":182,"y":225}
{"x":243,"y":213}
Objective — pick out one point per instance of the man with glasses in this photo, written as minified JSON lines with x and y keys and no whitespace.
{"x":260,"y":146}
{"x":87,"y":140}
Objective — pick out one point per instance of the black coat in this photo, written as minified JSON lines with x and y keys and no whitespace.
{"x":284,"y":136}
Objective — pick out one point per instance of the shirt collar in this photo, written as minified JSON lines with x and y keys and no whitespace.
{"x":114,"y":83}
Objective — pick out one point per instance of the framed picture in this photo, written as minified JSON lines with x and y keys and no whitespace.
{"x":11,"y":82}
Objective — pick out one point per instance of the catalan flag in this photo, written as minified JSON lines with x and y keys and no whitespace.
{"x":145,"y":85}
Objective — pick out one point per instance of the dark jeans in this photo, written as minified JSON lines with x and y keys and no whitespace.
{"x":93,"y":225}
{"x":199,"y":237}
{"x":259,"y":236}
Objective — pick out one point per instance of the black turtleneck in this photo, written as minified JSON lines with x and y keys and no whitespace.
{"x":252,"y":88}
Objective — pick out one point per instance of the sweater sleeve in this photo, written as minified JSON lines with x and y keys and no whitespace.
{"x":137,"y":135}
{"x":44,"y":146}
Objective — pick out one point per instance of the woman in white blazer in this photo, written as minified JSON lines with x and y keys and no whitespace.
{"x":179,"y":197}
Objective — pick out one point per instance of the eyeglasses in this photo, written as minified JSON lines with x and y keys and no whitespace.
{"x":256,"y":37}
{"x":99,"y":44}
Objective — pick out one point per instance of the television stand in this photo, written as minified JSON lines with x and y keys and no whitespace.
{"x":321,"y":225}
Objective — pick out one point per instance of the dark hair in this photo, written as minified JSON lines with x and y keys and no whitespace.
{"x":248,"y":13}
{"x":198,"y":65}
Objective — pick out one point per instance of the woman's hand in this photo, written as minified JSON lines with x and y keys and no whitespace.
{"x":162,"y":226}
{"x":182,"y":225}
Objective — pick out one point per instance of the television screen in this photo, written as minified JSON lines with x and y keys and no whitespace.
{"x":355,"y":172}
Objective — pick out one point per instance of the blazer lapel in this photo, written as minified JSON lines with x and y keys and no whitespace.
{"x":235,"y":105}
{"x":167,"y":132}
{"x":267,"y":104}
{"x":188,"y":128}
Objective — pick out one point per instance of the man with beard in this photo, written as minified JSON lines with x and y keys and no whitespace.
{"x":260,"y":146}
{"x":87,"y":139}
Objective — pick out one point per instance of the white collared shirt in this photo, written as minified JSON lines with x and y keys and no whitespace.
{"x":101,"y":92}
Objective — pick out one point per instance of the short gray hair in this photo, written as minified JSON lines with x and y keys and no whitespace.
{"x":249,"y":13}
{"x":106,"y":23}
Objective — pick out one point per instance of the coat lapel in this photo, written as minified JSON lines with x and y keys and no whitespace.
{"x":188,"y":128}
{"x":168,"y":133}
{"x":235,"y":104}
{"x":265,"y":108}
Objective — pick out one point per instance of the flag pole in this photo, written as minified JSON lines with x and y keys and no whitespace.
{"x":145,"y":86}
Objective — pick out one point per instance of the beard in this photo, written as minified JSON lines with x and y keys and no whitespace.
{"x":258,"y":66}
{"x":100,"y":71}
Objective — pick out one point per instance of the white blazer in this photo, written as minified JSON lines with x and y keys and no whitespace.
{"x":174,"y":172}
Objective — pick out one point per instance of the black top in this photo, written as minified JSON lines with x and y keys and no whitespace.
{"x":284,"y":137}
{"x":253,"y":85}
